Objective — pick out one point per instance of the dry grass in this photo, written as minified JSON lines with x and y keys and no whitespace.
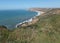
{"x":47,"y":30}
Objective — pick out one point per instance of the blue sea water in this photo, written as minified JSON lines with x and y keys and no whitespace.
{"x":10,"y":18}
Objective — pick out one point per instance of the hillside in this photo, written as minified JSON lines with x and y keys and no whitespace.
{"x":46,"y":30}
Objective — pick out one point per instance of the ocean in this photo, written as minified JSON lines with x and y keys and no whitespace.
{"x":10,"y":18}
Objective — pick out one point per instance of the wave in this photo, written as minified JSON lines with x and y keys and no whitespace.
{"x":29,"y":20}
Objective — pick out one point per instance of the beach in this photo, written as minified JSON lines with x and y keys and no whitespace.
{"x":31,"y":21}
{"x":15,"y":17}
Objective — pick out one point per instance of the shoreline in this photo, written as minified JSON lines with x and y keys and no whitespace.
{"x":29,"y":20}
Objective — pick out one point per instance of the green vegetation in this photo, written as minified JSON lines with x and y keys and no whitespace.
{"x":46,"y":30}
{"x":4,"y":33}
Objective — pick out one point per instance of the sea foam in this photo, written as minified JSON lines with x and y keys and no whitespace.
{"x":29,"y":20}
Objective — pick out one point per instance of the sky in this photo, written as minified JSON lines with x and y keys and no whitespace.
{"x":23,"y":4}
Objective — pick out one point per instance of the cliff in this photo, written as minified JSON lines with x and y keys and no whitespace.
{"x":46,"y":30}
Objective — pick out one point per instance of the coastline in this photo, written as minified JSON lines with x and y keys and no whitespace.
{"x":29,"y":20}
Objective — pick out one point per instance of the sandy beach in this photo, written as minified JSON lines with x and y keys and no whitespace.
{"x":30,"y":21}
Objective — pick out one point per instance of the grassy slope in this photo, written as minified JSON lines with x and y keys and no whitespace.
{"x":47,"y":30}
{"x":4,"y":33}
